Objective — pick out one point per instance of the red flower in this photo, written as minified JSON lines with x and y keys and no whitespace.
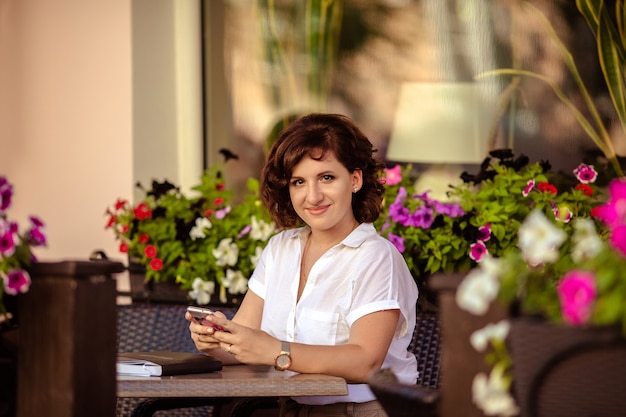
{"x":111,"y":222}
{"x":124,"y":228}
{"x":208,"y":213}
{"x":119,"y":204}
{"x":220,"y":186}
{"x":143,"y":238}
{"x":156,"y":264}
{"x":546,"y":186}
{"x":142,"y":211}
{"x":150,"y":251}
{"x":218,"y":201}
{"x":596,"y":211}
{"x":587,"y":190}
{"x":124,"y":247}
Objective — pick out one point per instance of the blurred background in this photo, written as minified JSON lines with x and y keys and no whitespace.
{"x":96,"y":96}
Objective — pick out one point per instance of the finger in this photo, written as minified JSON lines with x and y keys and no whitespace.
{"x":221,"y":322}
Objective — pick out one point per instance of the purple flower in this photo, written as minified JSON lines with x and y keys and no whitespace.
{"x":16,"y":281}
{"x":484,"y":233}
{"x":577,"y":293}
{"x":585,"y":173}
{"x":220,"y":214}
{"x":6,"y":192}
{"x":477,"y":251}
{"x":401,"y":197}
{"x":422,"y":217}
{"x":244,"y":231}
{"x":450,"y":210}
{"x":399,"y":214}
{"x":7,"y":243}
{"x":397,"y":241}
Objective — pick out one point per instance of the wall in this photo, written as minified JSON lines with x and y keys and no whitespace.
{"x":65,"y":117}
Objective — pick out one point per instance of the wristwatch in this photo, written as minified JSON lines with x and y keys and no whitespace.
{"x":283,"y":360}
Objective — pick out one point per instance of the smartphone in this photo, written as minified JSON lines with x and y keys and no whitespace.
{"x":199,"y":314}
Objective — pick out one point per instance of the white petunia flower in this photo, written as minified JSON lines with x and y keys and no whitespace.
{"x":477,"y":291}
{"x":261,"y":230}
{"x":587,"y":243}
{"x":491,"y":394}
{"x":226,"y":252}
{"x":235,"y":282}
{"x":257,"y":255}
{"x":197,"y":232}
{"x":480,"y":338}
{"x":539,"y":239}
{"x":202,"y":290}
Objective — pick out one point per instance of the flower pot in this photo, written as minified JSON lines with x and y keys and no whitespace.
{"x":563,"y":370}
{"x":142,"y":290}
{"x":460,"y":362}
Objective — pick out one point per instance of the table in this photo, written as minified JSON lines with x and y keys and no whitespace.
{"x":232,"y":381}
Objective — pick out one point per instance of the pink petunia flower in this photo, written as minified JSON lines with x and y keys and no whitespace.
{"x":529,"y":187}
{"x":613,"y":213}
{"x":585,"y":173}
{"x":397,"y":241}
{"x":478,"y":251}
{"x":484,"y":233}
{"x":577,"y":293}
{"x":16,"y":281}
{"x":393,"y":175}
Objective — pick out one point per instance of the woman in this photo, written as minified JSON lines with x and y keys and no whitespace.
{"x":329,"y":295}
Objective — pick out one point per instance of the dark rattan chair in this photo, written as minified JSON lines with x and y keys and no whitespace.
{"x":421,"y":399}
{"x":586,"y":380}
{"x":153,"y":326}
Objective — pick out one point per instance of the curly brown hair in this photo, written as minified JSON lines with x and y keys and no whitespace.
{"x":307,"y":136}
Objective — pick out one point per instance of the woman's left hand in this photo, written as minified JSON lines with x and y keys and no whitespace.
{"x":250,"y":346}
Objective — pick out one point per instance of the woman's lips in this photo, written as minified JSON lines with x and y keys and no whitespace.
{"x":316,"y":211}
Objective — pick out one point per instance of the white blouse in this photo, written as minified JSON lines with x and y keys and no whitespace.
{"x":362,"y":274}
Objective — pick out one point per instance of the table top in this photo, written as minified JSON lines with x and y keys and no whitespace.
{"x":232,"y":381}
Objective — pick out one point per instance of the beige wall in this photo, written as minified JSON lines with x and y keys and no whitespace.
{"x":66,"y":117}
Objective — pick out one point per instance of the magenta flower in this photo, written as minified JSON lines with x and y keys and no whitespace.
{"x":16,"y":281}
{"x":585,"y":173}
{"x":7,"y":243}
{"x":618,"y":239}
{"x":393,"y":175}
{"x":220,"y":214}
{"x":577,"y":293}
{"x":397,"y":241}
{"x":484,"y":233}
{"x":477,"y":251}
{"x":529,"y":187}
{"x":613,"y":213}
{"x":6,"y":192}
{"x":36,"y":237}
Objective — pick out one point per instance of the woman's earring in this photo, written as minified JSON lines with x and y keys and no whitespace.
{"x":356,"y":189}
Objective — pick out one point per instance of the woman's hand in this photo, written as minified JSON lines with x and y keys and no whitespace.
{"x":202,"y":335}
{"x":247,"y":345}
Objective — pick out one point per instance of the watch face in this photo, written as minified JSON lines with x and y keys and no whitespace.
{"x":283,"y":361}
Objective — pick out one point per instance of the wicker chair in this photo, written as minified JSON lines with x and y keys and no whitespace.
{"x":586,"y":380}
{"x":421,"y":399}
{"x":154,"y":326}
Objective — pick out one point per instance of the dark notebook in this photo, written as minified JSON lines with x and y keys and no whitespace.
{"x":165,"y":362}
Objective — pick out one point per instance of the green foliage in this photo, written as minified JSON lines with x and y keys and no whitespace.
{"x":493,"y":197}
{"x":183,"y":238}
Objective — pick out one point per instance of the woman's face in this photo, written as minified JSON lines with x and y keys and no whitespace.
{"x":321,"y":193}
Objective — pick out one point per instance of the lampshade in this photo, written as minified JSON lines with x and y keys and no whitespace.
{"x":440,"y":123}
